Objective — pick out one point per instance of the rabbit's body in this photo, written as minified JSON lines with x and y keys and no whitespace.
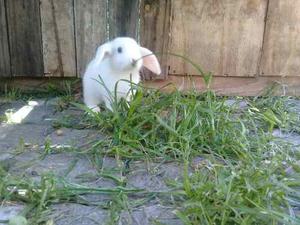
{"x":120,"y":59}
{"x":96,"y":93}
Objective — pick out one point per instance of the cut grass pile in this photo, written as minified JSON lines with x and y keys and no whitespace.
{"x":241,"y":175}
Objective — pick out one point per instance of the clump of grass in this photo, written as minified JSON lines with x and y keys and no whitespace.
{"x":253,"y":191}
{"x":277,"y":112}
{"x":174,"y":126}
{"x":11,"y":94}
{"x":64,"y":90}
{"x":39,"y":196}
{"x":245,"y":181}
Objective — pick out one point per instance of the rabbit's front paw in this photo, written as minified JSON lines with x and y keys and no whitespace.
{"x":95,"y":109}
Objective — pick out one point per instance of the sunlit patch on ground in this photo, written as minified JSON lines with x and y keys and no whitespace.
{"x":16,"y":117}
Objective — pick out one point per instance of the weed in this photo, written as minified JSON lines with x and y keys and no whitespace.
{"x":20,"y":147}
{"x":116,"y":205}
{"x":47,"y":147}
{"x":51,"y":189}
{"x":11,"y":94}
{"x":64,"y":91}
{"x":3,"y":118}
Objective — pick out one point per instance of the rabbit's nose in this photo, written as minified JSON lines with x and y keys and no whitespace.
{"x":133,"y":62}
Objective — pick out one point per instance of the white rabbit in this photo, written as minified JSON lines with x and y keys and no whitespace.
{"x":121,"y":58}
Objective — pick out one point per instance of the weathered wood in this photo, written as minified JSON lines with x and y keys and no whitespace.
{"x":38,"y":84}
{"x":57,"y":18}
{"x":281,"y":49}
{"x":155,"y":28}
{"x":25,"y":37}
{"x":123,"y":18}
{"x":231,"y":86}
{"x":4,"y":50}
{"x":223,"y":36}
{"x":90,"y":24}
{"x":226,"y":86}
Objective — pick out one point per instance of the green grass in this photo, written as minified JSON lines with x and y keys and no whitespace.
{"x":244,"y":180}
{"x":242,"y":176}
{"x":64,"y":91}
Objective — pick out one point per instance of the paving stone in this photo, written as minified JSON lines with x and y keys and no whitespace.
{"x":292,"y":137}
{"x":9,"y":211}
{"x":57,"y":164}
{"x":293,"y":105}
{"x":5,"y":156}
{"x":154,"y":176}
{"x":14,"y":135}
{"x":75,"y":214}
{"x":64,"y":214}
{"x":147,"y":215}
{"x":74,"y":138}
{"x":74,"y":169}
{"x":8,"y":163}
{"x":31,"y":112}
{"x":242,"y":104}
{"x":41,"y":114}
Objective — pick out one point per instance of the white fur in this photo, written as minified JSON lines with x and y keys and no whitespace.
{"x":113,"y":66}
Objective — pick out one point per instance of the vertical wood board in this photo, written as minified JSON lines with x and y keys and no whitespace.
{"x":4,"y":46}
{"x":57,"y":18}
{"x":123,"y":18}
{"x":90,"y":26}
{"x":25,"y":37}
{"x":281,"y":49}
{"x":155,"y":32}
{"x":222,"y":36}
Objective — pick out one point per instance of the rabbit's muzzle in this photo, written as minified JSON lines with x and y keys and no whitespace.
{"x":133,"y":62}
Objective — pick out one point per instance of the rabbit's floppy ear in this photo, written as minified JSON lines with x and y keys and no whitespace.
{"x":102,"y":51}
{"x":150,"y":61}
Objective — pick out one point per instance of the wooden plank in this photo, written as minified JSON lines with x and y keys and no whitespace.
{"x":281,"y":49}
{"x":231,"y":86}
{"x":25,"y":37}
{"x":57,"y":18}
{"x":223,"y":36}
{"x":39,"y":84}
{"x":226,"y":86}
{"x":90,"y":24}
{"x":4,"y":49}
{"x":154,"y":32}
{"x":123,"y":18}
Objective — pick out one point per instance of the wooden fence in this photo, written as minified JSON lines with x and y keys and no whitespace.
{"x":246,"y":44}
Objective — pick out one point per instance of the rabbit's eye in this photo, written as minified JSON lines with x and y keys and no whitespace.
{"x":120,"y":50}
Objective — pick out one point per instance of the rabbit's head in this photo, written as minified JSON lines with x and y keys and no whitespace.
{"x":124,"y":54}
